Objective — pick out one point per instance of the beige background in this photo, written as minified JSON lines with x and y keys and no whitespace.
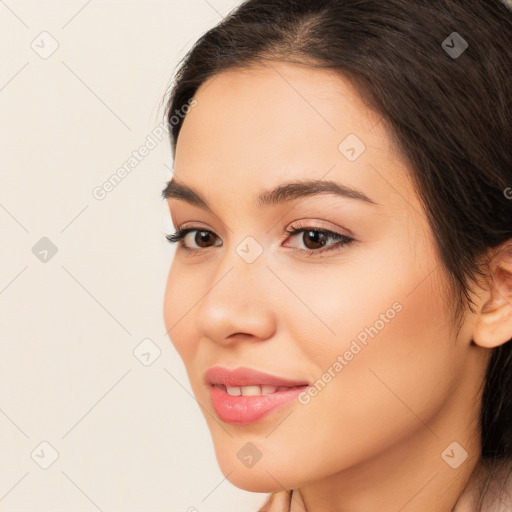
{"x":129,"y":437}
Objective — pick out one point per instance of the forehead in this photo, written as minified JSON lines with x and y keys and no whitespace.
{"x":257,"y":127}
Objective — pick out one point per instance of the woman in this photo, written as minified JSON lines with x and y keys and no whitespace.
{"x":341,"y":292}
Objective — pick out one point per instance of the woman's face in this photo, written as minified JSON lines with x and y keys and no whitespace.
{"x":369,"y":319}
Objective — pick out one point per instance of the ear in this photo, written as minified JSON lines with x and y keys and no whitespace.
{"x":494,"y":320}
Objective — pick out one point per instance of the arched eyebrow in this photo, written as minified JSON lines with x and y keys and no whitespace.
{"x":282,"y":193}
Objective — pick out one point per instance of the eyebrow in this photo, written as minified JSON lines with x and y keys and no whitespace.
{"x":280,"y":194}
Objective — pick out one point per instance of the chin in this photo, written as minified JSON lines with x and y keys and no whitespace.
{"x":263,"y":476}
{"x":247,"y":480}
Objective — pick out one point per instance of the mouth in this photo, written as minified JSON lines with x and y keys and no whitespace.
{"x":255,"y":390}
{"x":244,"y":377}
{"x":244,"y":396}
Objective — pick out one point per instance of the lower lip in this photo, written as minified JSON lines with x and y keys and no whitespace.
{"x":243,"y":410}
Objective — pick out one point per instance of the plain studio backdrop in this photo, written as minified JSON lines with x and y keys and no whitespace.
{"x":96,"y":411}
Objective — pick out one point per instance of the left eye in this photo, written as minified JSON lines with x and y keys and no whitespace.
{"x":316,"y":238}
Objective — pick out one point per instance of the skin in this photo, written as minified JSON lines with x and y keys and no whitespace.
{"x":372,"y":439}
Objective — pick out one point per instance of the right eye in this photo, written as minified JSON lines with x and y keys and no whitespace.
{"x":202,"y":238}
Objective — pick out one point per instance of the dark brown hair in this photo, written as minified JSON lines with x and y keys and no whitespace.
{"x":449,"y":115}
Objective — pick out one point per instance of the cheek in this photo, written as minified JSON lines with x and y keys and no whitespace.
{"x":390,"y":326}
{"x":178,"y":310}
{"x":385,"y":296}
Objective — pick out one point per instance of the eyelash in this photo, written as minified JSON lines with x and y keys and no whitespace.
{"x":343,"y":240}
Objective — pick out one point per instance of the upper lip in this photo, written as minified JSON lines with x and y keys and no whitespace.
{"x":242,"y":376}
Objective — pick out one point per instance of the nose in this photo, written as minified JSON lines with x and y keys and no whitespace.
{"x":236,"y":304}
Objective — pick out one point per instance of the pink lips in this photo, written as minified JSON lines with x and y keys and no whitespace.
{"x":246,"y":409}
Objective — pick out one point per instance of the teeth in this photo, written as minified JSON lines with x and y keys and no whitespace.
{"x":250,"y":390}
{"x":253,"y":390}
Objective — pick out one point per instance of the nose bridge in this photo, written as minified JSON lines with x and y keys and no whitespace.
{"x":243,"y":264}
{"x":241,"y":273}
{"x":237,"y":299}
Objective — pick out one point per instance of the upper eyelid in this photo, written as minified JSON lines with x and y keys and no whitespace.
{"x":299,"y":224}
{"x":305,"y":227}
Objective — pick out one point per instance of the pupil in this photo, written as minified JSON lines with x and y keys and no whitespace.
{"x":201,"y":237}
{"x":315,"y":235}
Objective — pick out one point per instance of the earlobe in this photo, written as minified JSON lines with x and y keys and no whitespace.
{"x":494,"y":321}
